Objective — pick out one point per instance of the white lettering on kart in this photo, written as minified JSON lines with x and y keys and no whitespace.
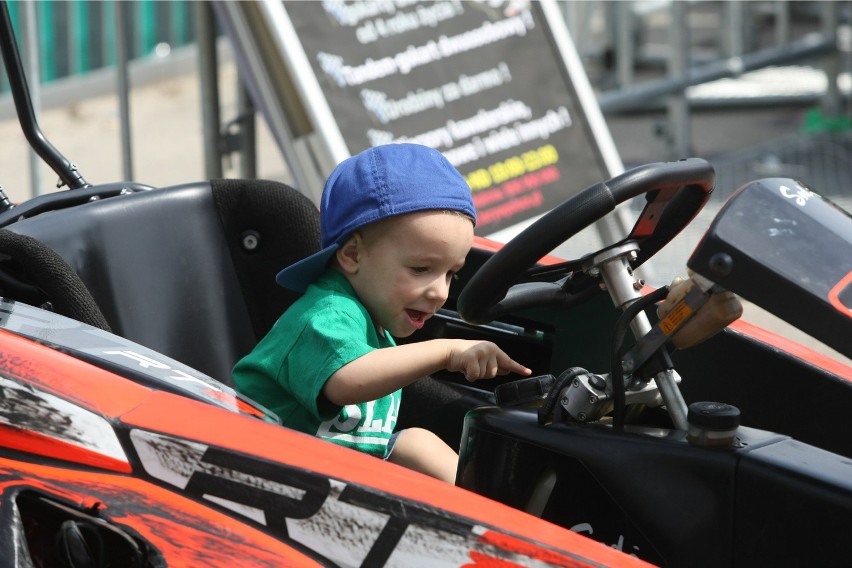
{"x":801,"y":195}
{"x":148,"y":363}
{"x":329,"y":519}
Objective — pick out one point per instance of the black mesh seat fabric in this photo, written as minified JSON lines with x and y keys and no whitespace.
{"x":170,"y":269}
{"x":33,"y":273}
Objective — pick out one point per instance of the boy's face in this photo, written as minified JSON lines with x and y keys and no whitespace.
{"x":405,"y":265}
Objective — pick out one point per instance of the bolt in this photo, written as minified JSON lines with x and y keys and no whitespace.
{"x":638,"y":284}
{"x":576,"y":383}
{"x":721,"y":264}
{"x":627,"y":366}
{"x":581,"y":416}
{"x":251,"y":240}
{"x":563,"y":400}
{"x":593,"y":399}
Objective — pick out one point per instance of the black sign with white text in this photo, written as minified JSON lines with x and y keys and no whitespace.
{"x":478,"y":81}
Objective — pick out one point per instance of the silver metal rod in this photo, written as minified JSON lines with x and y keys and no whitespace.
{"x":123,"y":86}
{"x":208,"y":62}
{"x":624,"y":53}
{"x":619,"y":283}
{"x":733,"y":41}
{"x":831,"y":100}
{"x":641,"y":95}
{"x":678,"y":105}
{"x":248,"y":139}
{"x":30,"y":37}
{"x":675,"y":404}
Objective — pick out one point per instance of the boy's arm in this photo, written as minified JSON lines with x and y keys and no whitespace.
{"x":383,"y":371}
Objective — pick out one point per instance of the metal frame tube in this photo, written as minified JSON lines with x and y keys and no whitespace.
{"x":208,"y":63}
{"x":30,"y":35}
{"x":66,"y":171}
{"x":123,"y":86}
{"x":678,"y":105}
{"x":645,"y":94}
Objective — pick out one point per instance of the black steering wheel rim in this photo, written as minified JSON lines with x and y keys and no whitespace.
{"x":676,"y":193}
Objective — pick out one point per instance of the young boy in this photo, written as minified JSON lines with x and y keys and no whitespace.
{"x":396,"y":223}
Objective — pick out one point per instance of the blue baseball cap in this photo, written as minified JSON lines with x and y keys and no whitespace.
{"x":378,"y":183}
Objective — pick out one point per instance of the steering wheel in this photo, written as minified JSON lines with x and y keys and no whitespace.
{"x":676,"y":192}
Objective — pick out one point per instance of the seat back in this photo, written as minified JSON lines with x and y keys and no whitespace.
{"x":188,"y":271}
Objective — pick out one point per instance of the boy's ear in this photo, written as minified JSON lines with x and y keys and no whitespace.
{"x":348,"y":255}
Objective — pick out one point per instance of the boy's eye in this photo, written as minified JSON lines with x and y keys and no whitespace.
{"x":451,"y":275}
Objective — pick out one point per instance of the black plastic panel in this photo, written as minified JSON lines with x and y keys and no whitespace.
{"x":649,"y":492}
{"x":788,"y":250}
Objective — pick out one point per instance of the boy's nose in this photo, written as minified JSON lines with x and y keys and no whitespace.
{"x":439,"y":290}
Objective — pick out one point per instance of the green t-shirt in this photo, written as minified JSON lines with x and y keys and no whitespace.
{"x":321,"y":332}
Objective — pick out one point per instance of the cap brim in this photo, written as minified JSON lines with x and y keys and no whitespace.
{"x":300,"y":275}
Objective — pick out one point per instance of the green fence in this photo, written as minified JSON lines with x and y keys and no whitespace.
{"x":78,"y":36}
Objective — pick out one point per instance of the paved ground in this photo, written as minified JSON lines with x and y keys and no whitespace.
{"x":166,"y":129}
{"x":167,"y":148}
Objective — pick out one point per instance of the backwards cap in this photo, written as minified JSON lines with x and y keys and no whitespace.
{"x":378,"y":183}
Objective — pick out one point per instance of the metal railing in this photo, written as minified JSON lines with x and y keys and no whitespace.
{"x":78,"y":36}
{"x":737,"y":37}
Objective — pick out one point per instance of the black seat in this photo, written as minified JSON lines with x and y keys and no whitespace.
{"x":188,"y":271}
{"x":33,"y":273}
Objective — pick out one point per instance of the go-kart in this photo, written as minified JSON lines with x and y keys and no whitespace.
{"x":122,"y":442}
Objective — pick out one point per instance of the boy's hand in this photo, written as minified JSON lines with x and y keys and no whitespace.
{"x":482,"y":360}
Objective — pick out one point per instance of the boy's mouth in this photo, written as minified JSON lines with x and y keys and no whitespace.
{"x":416,"y":318}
